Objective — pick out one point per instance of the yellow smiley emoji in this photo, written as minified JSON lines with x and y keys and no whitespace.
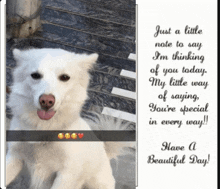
{"x":60,"y":135}
{"x":74,"y":136}
{"x":67,"y":135}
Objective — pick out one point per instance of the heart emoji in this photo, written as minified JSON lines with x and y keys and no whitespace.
{"x":80,"y":135}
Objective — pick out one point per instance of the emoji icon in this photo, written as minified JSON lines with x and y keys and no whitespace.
{"x":67,"y":135}
{"x":74,"y":136}
{"x":60,"y":135}
{"x":80,"y":135}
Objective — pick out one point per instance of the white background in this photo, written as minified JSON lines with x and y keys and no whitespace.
{"x":177,"y":14}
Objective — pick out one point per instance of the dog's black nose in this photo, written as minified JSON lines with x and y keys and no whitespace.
{"x":46,"y":101}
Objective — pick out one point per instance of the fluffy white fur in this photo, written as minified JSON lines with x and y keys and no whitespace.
{"x":72,"y":164}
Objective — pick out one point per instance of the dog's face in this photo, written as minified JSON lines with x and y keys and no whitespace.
{"x":50,"y":82}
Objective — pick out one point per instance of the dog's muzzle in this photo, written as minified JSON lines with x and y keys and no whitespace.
{"x":46,"y":102}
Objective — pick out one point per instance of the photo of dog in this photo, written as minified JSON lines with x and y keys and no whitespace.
{"x":48,"y":94}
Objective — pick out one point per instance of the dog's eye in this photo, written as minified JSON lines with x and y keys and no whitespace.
{"x":36,"y":75}
{"x":64,"y":77}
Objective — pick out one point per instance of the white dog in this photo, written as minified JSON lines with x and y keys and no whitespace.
{"x":49,"y":90}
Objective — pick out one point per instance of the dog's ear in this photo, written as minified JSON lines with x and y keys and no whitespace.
{"x":89,"y":61}
{"x":17,"y":54}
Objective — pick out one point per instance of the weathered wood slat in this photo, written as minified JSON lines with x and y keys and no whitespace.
{"x":23,"y":17}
